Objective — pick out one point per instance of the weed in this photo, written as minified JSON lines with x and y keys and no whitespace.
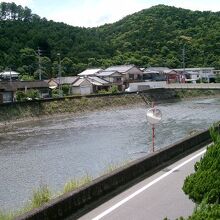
{"x":74,"y":184}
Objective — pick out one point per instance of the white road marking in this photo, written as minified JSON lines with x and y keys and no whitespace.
{"x":106,"y":212}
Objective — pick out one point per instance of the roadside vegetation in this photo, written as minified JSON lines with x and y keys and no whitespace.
{"x":203,"y":186}
{"x":44,"y":194}
{"x":40,"y":196}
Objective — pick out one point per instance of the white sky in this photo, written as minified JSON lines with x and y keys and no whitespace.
{"x":90,"y":13}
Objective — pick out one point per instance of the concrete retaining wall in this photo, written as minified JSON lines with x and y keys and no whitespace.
{"x":70,"y":203}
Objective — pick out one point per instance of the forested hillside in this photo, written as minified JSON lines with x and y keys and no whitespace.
{"x":151,"y":37}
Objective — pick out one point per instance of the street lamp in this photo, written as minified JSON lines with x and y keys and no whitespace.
{"x":59,"y":75}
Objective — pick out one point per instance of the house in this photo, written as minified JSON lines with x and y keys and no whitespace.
{"x":55,"y":82}
{"x":98,"y":83}
{"x":130,"y":73}
{"x":89,"y":85}
{"x":8,"y":89}
{"x":155,"y":73}
{"x":153,"y":76}
{"x":161,"y":70}
{"x":89,"y":72}
{"x":174,"y":76}
{"x":113,"y":77}
{"x":205,"y":73}
{"x":6,"y":92}
{"x":191,"y":77}
{"x":9,"y":75}
{"x":82,"y":87}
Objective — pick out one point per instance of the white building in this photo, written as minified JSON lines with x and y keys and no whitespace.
{"x":206,"y":73}
{"x":7,"y":75}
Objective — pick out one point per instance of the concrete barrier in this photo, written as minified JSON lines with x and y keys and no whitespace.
{"x":72,"y":202}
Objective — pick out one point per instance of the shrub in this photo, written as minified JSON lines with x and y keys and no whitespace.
{"x":203,"y":187}
{"x":206,"y":212}
{"x":20,"y":96}
{"x":33,"y":94}
{"x":66,"y":90}
{"x":113,"y":89}
{"x":55,"y":93}
{"x":29,"y":95}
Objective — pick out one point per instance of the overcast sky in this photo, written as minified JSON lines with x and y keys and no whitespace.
{"x":90,"y":13}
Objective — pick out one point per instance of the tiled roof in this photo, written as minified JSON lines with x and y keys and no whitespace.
{"x":107,"y":73}
{"x":79,"y":81}
{"x":159,"y":69}
{"x":14,"y":85}
{"x":66,"y":80}
{"x":120,"y":69}
{"x":89,"y":72}
{"x":97,"y":81}
{"x":93,"y":80}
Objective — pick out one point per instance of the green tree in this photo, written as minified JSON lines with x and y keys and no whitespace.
{"x":29,"y":59}
{"x":67,"y":66}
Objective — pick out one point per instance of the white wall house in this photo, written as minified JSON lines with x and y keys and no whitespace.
{"x":129,"y":72}
{"x":110,"y":76}
{"x":206,"y":73}
{"x":82,"y":87}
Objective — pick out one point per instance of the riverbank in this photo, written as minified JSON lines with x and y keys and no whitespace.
{"x":30,"y":111}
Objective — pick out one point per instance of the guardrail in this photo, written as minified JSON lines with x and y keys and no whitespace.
{"x":193,"y":86}
{"x":71,"y":202}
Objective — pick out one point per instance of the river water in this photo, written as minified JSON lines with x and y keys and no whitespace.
{"x":54,"y":151}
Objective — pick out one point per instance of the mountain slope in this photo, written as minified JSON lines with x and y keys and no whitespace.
{"x":151,"y":37}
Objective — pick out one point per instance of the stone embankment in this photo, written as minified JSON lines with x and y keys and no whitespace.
{"x":12,"y":112}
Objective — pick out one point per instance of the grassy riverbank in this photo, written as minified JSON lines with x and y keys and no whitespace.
{"x":24,"y":111}
{"x":44,"y":194}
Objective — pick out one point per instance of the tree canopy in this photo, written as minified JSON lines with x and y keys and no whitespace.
{"x":151,"y":37}
{"x":203,"y":186}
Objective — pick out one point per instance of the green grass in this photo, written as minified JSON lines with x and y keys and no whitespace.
{"x":6,"y":216}
{"x":41,"y":196}
{"x":75,"y":184}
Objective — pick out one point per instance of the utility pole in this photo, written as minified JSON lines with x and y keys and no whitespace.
{"x":39,"y":63}
{"x":183,"y":57}
{"x":10,"y":75}
{"x":59,"y":75}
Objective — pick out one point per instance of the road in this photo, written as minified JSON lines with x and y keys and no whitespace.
{"x":154,"y":198}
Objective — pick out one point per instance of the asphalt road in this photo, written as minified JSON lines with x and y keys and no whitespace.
{"x":154,"y":198}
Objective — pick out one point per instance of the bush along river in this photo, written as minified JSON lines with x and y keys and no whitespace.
{"x":56,"y":150}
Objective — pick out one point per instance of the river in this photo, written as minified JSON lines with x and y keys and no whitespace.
{"x":56,"y":150}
